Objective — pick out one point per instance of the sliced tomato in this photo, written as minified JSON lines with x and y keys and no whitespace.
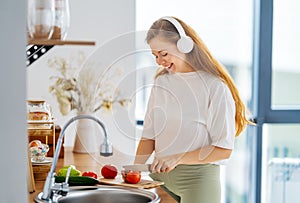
{"x":132,"y":177}
{"x":90,"y":174}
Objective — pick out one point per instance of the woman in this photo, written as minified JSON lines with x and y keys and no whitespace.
{"x":194,"y":113}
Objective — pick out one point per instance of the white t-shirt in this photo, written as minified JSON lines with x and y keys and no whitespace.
{"x":187,"y":111}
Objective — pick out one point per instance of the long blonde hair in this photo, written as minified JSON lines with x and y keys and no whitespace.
{"x":201,"y":58}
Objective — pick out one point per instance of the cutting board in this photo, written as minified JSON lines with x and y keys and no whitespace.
{"x":144,"y":184}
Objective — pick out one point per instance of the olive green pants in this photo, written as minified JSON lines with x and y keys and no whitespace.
{"x":192,"y":183}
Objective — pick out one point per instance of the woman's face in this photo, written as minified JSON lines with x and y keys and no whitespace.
{"x":168,"y":56}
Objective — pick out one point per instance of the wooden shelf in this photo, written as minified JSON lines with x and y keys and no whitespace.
{"x":42,"y":129}
{"x":59,"y":42}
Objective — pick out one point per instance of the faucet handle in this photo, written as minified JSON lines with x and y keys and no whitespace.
{"x":62,"y":188}
{"x":68,"y":174}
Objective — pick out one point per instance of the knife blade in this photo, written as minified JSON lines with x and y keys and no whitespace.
{"x":138,"y":167}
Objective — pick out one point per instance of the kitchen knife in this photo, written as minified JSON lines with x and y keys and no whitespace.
{"x":138,"y":167}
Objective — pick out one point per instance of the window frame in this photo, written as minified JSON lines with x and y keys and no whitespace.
{"x":261,"y":105}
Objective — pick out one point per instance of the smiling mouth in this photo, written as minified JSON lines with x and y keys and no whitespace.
{"x":169,"y":67}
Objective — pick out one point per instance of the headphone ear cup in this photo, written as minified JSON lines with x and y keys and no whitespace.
{"x":185,"y":44}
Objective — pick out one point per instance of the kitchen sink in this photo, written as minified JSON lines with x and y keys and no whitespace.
{"x":104,"y":194}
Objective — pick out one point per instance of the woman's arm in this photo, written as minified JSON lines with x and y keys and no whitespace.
{"x":200,"y":156}
{"x":205,"y":155}
{"x":144,"y":150}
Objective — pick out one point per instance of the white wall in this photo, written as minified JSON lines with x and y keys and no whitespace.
{"x":91,"y":20}
{"x":13,"y":187}
{"x":107,"y":24}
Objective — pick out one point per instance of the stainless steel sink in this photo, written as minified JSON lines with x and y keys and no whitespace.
{"x":105,"y":194}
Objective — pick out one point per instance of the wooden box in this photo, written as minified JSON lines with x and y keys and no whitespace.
{"x":41,"y":171}
{"x":46,"y":137}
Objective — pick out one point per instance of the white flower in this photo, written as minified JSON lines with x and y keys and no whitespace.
{"x":64,"y":105}
{"x":88,"y":92}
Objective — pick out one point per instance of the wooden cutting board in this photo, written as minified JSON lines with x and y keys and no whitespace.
{"x":144,"y":184}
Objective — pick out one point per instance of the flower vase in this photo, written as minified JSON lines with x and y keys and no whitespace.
{"x":85,"y":138}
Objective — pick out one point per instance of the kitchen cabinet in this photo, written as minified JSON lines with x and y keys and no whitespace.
{"x":42,"y":131}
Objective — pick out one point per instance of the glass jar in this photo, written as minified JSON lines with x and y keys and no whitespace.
{"x":40,"y":18}
{"x":38,"y":151}
{"x":38,"y":110}
{"x":62,"y":19}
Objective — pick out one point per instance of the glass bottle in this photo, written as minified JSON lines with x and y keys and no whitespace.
{"x":62,"y":19}
{"x":38,"y":110}
{"x":40,"y":18}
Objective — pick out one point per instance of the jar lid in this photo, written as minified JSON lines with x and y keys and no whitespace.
{"x":44,"y":4}
{"x":36,"y":101}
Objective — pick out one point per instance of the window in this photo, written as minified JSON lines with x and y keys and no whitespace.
{"x":278,"y":110}
{"x":275,"y":101}
{"x":281,"y":168}
{"x":285,"y":55}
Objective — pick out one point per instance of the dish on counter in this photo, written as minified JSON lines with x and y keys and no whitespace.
{"x":47,"y":160}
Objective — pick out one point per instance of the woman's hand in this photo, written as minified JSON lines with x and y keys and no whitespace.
{"x":200,"y":156}
{"x":165,"y":164}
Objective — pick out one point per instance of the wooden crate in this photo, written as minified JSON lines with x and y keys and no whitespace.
{"x":41,"y":171}
{"x":46,"y":136}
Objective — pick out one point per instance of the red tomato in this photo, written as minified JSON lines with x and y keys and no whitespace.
{"x":109,"y":171}
{"x":132,"y":177}
{"x":90,"y":174}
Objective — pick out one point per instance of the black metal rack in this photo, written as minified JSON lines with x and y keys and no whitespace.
{"x":34,"y":52}
{"x":37,"y":48}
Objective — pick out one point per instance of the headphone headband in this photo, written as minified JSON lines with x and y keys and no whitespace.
{"x":177,"y":25}
{"x":185,"y":44}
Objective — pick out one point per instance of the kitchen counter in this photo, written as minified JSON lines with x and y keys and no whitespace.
{"x":92,"y":162}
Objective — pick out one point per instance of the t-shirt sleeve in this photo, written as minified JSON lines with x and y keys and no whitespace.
{"x":148,"y":131}
{"x":221,"y":117}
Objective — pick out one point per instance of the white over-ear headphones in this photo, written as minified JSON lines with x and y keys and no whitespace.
{"x":185,"y":44}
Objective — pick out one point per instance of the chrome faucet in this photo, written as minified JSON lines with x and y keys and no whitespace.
{"x":105,"y":150}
